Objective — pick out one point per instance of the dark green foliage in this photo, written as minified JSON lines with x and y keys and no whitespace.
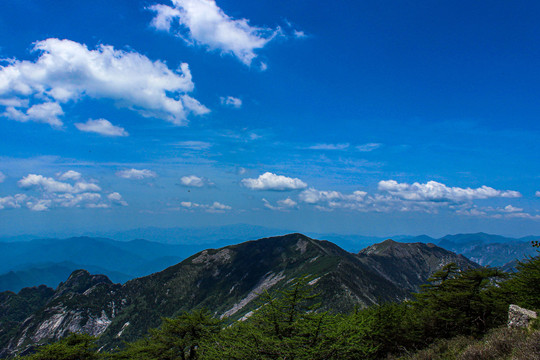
{"x":524,"y":285}
{"x":466,"y":303}
{"x":288,"y":326}
{"x":178,"y":338}
{"x":73,"y":347}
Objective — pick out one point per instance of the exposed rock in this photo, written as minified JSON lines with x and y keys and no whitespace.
{"x":266,"y":283}
{"x":223,"y":256}
{"x":519,"y":317}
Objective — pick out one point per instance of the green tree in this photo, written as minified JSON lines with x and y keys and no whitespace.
{"x":524,"y":285}
{"x":289,"y":325}
{"x":461,"y":302}
{"x":179,"y":338}
{"x":72,"y":347}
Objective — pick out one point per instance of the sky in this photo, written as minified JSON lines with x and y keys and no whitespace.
{"x":349,"y":117}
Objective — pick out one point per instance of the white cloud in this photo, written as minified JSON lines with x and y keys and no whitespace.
{"x":241,"y":170}
{"x":429,"y":198}
{"x":195,"y":181}
{"x":116,"y":198}
{"x":136,"y":174}
{"x":537,"y":194}
{"x":314,"y":196}
{"x":193,"y":145}
{"x":270,"y":181}
{"x":102,"y":127}
{"x":39,"y":205}
{"x":299,"y":34}
{"x":88,"y":198}
{"x":47,"y":193}
{"x":2,"y":177}
{"x":12,"y":202}
{"x":523,"y":215}
{"x":231,"y":101}
{"x":208,"y":25}
{"x":215,"y":207}
{"x":368,"y":147}
{"x":47,"y":113}
{"x":68,"y":71}
{"x":47,"y":184}
{"x":70,"y":175}
{"x":434,"y":191}
{"x":283,"y":205}
{"x":329,"y":147}
{"x":512,"y":209}
{"x":507,"y":212}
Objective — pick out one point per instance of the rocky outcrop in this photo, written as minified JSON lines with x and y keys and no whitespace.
{"x":519,"y":317}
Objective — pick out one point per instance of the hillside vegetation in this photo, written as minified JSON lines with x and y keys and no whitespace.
{"x":455,"y":316}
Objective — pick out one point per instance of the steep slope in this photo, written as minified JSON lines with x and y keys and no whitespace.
{"x":408,"y":265}
{"x":227,"y":281}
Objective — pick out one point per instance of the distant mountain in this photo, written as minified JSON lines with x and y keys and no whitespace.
{"x":410,"y":264}
{"x":45,"y":260}
{"x":227,"y":281}
{"x":52,"y":274}
{"x":219,"y":236}
{"x":214,"y":235}
{"x":486,"y":249}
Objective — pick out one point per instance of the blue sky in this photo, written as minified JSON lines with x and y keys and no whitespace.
{"x":373,"y":118}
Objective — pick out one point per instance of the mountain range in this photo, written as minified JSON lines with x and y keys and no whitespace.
{"x":50,"y":261}
{"x":486,"y":249}
{"x":30,"y":262}
{"x":226,"y":281}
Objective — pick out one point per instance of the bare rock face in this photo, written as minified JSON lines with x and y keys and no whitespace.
{"x":519,"y":317}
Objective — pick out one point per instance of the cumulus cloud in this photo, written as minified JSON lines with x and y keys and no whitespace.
{"x":69,"y":190}
{"x":47,"y":113}
{"x":368,"y":147}
{"x":117,"y":199}
{"x":203,"y":23}
{"x":329,"y":147}
{"x":403,"y":197}
{"x":102,"y":127}
{"x":434,"y":191}
{"x":70,"y":175}
{"x":215,"y":207}
{"x":12,"y":202}
{"x":193,"y":145}
{"x":314,"y":196}
{"x":195,"y":181}
{"x":270,"y":181}
{"x":506,"y":212}
{"x":136,"y":174}
{"x":231,"y":101}
{"x":68,"y":71}
{"x":2,"y":177}
{"x":47,"y":184}
{"x":282,"y":205}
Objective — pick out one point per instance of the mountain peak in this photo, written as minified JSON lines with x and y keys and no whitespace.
{"x":81,"y":280}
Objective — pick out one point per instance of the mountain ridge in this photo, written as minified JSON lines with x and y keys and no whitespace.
{"x":226,"y":280}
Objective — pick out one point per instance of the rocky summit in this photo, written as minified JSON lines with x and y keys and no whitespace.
{"x":226,"y":281}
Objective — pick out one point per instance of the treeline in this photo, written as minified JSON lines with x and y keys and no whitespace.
{"x":288,"y":325}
